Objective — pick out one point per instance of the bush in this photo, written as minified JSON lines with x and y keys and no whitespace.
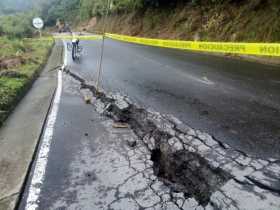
{"x":16,"y":26}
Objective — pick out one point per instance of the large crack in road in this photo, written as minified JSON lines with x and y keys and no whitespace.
{"x":191,"y":162}
{"x":187,"y":172}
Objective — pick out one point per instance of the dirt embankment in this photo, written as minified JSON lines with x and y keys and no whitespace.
{"x":246,"y":21}
{"x":235,"y":21}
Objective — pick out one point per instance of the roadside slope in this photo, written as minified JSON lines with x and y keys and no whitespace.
{"x":21,"y":62}
{"x":236,"y":21}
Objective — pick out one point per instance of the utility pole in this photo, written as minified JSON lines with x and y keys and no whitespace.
{"x":102,"y":45}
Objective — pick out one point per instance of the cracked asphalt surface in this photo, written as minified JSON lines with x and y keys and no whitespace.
{"x":95,"y":166}
{"x":160,"y":161}
{"x":98,"y":169}
{"x":236,"y":101}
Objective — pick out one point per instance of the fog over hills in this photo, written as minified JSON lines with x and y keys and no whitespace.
{"x":12,"y":6}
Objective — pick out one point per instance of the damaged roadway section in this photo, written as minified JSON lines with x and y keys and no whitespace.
{"x":200,"y":171}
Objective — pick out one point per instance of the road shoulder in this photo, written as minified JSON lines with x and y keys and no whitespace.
{"x":20,"y":133}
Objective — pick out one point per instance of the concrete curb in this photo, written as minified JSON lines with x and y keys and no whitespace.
{"x":20,"y":134}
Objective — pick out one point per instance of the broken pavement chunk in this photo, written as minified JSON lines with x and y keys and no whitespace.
{"x":132,"y":143}
{"x":121,"y":103}
{"x":87,"y":99}
{"x":120,"y":125}
{"x":87,"y":95}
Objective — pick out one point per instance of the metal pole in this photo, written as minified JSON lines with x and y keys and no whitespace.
{"x":102,"y":46}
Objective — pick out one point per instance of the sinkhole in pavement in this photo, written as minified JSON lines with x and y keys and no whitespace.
{"x":182,"y":170}
{"x":189,"y":173}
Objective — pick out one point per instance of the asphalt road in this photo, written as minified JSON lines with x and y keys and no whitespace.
{"x":90,"y":165}
{"x":238,"y":102}
{"x":86,"y":163}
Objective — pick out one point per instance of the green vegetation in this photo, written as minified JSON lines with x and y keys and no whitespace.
{"x":20,"y":63}
{"x":91,"y":8}
{"x":66,"y":10}
{"x":18,"y":25}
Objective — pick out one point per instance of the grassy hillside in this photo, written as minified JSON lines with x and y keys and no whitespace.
{"x":20,"y":63}
{"x":243,"y":20}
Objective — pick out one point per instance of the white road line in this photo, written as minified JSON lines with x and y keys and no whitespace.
{"x":42,"y":160}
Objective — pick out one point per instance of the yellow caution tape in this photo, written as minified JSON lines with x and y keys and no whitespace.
{"x":268,"y":49}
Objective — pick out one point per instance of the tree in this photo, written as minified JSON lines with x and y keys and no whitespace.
{"x":66,"y":10}
{"x":86,"y":9}
{"x":18,"y":25}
